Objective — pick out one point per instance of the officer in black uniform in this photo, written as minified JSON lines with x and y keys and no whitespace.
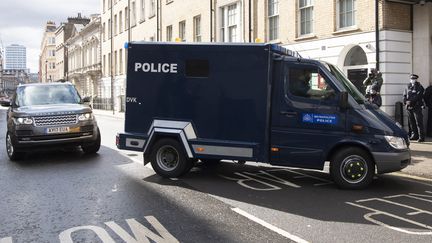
{"x":413,"y":101}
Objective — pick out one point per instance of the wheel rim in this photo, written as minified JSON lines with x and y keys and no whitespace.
{"x":167,"y":158}
{"x":354,"y":169}
{"x":9,"y":146}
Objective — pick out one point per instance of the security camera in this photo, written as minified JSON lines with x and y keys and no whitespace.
{"x":422,"y":2}
{"x":368,"y":46}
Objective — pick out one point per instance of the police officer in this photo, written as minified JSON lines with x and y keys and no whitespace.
{"x":413,"y":101}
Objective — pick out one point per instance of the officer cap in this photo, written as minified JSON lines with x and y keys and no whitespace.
{"x":414,"y":76}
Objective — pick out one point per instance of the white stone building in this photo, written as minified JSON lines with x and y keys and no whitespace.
{"x":342,"y":32}
{"x":84,"y":57}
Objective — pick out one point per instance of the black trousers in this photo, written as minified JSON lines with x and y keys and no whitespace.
{"x":415,"y":117}
{"x":429,"y":123}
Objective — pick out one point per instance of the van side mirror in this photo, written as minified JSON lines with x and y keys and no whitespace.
{"x":343,"y":100}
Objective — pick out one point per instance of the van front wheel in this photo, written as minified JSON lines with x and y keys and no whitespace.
{"x":352,"y":168}
{"x":168,"y":158}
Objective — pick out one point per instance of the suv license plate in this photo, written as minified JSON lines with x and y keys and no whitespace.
{"x":57,"y":130}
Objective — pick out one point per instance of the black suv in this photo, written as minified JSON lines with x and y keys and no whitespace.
{"x":51,"y":115}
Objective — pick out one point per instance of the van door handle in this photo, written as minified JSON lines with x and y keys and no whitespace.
{"x":289,"y":113}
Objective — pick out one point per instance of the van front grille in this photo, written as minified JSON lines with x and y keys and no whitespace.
{"x":41,"y":121}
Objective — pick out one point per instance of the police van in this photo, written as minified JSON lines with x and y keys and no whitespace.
{"x":253,"y":102}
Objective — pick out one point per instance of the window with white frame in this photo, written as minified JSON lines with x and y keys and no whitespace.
{"x":346,"y":13}
{"x":133,"y":13}
{"x":121,"y":61}
{"x":115,"y":24}
{"x":273,"y":15}
{"x":230,"y":23}
{"x":126,"y":15}
{"x":197,"y":28}
{"x":182,"y":30}
{"x":109,"y":29}
{"x":142,"y":10}
{"x":152,"y":8}
{"x":305,"y":17}
{"x":120,"y":22}
{"x":169,"y":33}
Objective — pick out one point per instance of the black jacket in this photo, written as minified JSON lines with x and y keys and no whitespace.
{"x":414,"y":94}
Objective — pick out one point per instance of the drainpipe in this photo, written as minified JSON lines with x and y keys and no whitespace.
{"x":250,"y":21}
{"x":111,"y":60}
{"x":211,"y":20}
{"x":157,"y":20}
{"x":377,"y":40}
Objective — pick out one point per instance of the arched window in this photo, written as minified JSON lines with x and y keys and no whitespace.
{"x":356,"y":56}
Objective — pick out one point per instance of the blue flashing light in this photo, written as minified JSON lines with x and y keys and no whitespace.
{"x":126,"y":45}
{"x":284,"y":51}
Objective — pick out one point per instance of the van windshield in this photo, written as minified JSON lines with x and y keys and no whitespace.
{"x":350,"y":88}
{"x":46,"y":95}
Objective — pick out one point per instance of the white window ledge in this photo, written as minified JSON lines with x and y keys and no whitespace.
{"x":346,"y":29}
{"x":305,"y":37}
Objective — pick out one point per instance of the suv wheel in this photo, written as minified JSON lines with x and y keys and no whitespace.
{"x":168,"y":158}
{"x":93,"y":147}
{"x":11,"y":148}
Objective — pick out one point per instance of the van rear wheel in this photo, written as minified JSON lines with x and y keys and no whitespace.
{"x":169,"y":159}
{"x":352,"y":168}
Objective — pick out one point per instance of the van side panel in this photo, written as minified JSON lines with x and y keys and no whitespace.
{"x":228,"y":103}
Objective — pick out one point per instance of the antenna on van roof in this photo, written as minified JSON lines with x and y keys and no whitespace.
{"x":285,"y":51}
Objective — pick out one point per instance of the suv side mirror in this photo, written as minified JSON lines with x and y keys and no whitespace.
{"x":86,"y":99}
{"x":343,"y":100}
{"x":5,"y":103}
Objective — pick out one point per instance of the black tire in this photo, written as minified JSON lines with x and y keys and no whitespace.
{"x":11,"y":148}
{"x":93,"y":147}
{"x":352,"y":168}
{"x":169,"y":159}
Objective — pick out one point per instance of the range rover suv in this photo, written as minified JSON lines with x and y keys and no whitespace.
{"x":47,"y":116}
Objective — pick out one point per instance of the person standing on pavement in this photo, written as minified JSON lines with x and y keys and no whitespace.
{"x":413,"y":101}
{"x":373,"y":85}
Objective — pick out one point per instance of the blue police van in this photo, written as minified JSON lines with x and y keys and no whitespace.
{"x":253,"y":102}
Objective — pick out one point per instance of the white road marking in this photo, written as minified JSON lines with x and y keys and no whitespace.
{"x":6,"y":240}
{"x":416,"y":211}
{"x":66,"y":236}
{"x":269,"y":226}
{"x":418,"y":178}
{"x":140,"y":233}
{"x":273,"y":178}
{"x":242,"y":182}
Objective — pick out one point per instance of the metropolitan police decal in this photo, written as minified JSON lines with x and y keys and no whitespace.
{"x":319,"y":118}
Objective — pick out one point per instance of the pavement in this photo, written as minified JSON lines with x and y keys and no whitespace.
{"x":421,"y":153}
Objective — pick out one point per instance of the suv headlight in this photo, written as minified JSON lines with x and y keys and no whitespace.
{"x":23,"y":120}
{"x":85,"y":117}
{"x":396,"y":142}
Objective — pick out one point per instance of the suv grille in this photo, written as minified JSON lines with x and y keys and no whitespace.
{"x":55,"y":120}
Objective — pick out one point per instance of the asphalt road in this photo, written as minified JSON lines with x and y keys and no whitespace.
{"x":66,"y":196}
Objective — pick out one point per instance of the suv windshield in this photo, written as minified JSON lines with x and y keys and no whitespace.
{"x":350,"y":88}
{"x":46,"y":94}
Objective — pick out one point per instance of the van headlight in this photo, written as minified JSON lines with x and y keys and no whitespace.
{"x":85,"y":117}
{"x":396,"y":142}
{"x":23,"y":120}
